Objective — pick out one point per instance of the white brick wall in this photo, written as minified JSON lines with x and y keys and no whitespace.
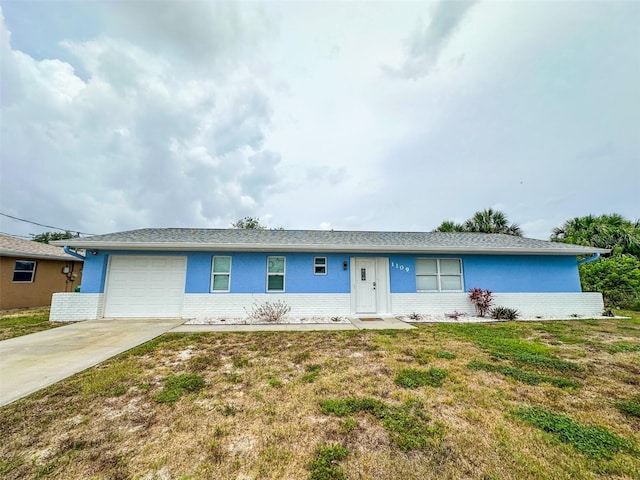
{"x":67,"y":307}
{"x":530,"y":305}
{"x":88,"y":306}
{"x":232,"y":305}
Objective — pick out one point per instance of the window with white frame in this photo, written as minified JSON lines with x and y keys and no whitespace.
{"x":319,"y":265}
{"x":221,"y":274}
{"x":439,"y":275}
{"x":24,"y":271}
{"x":275,"y":274}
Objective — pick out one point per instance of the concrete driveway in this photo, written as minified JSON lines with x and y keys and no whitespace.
{"x":35,"y":361}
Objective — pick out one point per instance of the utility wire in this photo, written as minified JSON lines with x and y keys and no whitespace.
{"x":15,"y":235}
{"x":43,"y":225}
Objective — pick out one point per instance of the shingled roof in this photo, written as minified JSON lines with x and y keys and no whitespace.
{"x":17,"y":247}
{"x":324,"y":241}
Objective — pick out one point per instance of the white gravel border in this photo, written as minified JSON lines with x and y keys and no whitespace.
{"x":423,"y":318}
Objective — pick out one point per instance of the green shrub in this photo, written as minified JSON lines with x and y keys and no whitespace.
{"x":177,"y":385}
{"x":413,"y":378}
{"x":504,"y":313}
{"x":325,"y":463}
{"x":594,"y":442}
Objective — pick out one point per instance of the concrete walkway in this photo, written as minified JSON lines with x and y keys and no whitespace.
{"x":379,"y":323}
{"x":35,"y":361}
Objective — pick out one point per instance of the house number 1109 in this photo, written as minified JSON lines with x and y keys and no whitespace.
{"x":399,"y":267}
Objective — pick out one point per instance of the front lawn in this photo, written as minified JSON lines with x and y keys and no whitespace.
{"x":15,"y":323}
{"x":510,"y":400}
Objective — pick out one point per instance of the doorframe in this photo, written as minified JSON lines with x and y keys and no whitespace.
{"x":383,"y":285}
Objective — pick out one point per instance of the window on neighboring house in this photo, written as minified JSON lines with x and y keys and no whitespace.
{"x":319,"y":265}
{"x":24,"y":271}
{"x":439,"y":275}
{"x":221,"y":274}
{"x":275,"y":274}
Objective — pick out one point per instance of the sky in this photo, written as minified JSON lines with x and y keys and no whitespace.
{"x":118,"y":115}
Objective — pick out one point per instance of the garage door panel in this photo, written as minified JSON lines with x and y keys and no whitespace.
{"x":145,"y":286}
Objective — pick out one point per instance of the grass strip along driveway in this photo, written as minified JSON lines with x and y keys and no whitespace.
{"x":506,"y":400}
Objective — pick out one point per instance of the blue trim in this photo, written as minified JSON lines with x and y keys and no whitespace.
{"x":68,"y":251}
{"x":590,"y":259}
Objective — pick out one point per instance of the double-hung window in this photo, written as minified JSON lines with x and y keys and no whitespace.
{"x":319,"y":265}
{"x":221,"y":274}
{"x":439,"y":275}
{"x":24,"y":271}
{"x":275,"y":274}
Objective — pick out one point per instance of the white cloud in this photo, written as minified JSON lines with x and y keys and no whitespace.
{"x":427,"y":41}
{"x":140,"y":142}
{"x":121,"y":115}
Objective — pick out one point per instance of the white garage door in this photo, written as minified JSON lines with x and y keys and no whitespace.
{"x":141,"y":286}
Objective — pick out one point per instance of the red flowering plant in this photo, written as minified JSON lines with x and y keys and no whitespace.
{"x":481,"y":299}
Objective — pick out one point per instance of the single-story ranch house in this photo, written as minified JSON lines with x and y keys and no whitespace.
{"x":222,"y":273}
{"x":30,"y":272}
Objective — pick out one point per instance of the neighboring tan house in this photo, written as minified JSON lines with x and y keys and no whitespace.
{"x":202,"y":273}
{"x":31,"y":272}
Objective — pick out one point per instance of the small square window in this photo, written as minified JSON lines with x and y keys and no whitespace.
{"x":24,"y":271}
{"x":319,"y":265}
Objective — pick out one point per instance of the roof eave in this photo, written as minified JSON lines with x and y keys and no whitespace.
{"x":37,"y":256}
{"x":190,"y":246}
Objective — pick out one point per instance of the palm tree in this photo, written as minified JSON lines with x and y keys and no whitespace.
{"x":486,"y":221}
{"x":490,"y":221}
{"x":604,"y":231}
{"x":449,"y":226}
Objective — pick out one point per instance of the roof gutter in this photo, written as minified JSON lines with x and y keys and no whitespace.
{"x":68,"y":251}
{"x":592,"y":258}
{"x":261,"y":247}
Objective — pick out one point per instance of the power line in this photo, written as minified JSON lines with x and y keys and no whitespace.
{"x":43,"y":225}
{"x":15,"y":235}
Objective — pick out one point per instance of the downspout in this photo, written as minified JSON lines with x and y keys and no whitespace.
{"x":594,"y":257}
{"x":68,"y":251}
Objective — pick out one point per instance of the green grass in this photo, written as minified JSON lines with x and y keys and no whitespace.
{"x":504,"y":341}
{"x":177,"y":385}
{"x":623,"y":347}
{"x":594,"y":442}
{"x":630,"y":407}
{"x":408,"y":424}
{"x":540,"y":360}
{"x":446,"y":355}
{"x":23,"y":322}
{"x":311,"y":373}
{"x":530,"y":378}
{"x":414,"y":378}
{"x":325,"y":465}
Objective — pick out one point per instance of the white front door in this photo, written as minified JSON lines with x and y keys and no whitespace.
{"x":366,"y":285}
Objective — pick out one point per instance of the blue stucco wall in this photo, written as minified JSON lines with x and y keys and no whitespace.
{"x":499,"y":273}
